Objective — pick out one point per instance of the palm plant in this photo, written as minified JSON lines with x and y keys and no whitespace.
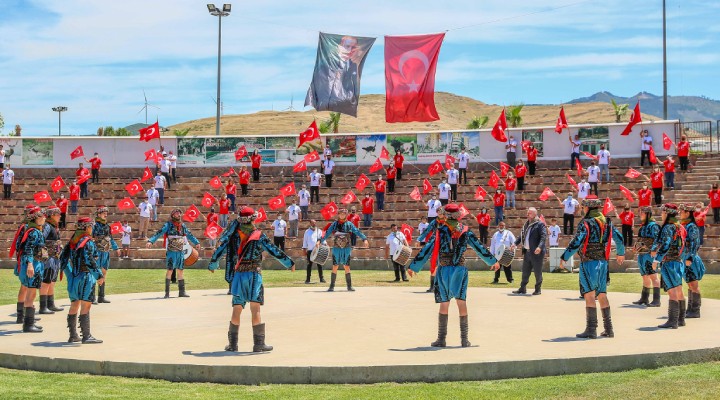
{"x":514,"y":117}
{"x":334,"y":121}
{"x":620,"y":110}
{"x":478,"y":122}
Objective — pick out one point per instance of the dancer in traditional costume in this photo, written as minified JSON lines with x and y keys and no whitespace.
{"x":31,"y":256}
{"x":104,"y":242}
{"x":667,"y":254}
{"x":445,"y":248}
{"x":694,"y":266}
{"x":176,"y":234}
{"x":593,"y":238}
{"x":246,"y":274}
{"x":19,"y":234}
{"x":646,"y":236}
{"x":51,"y":268}
{"x":340,"y":231}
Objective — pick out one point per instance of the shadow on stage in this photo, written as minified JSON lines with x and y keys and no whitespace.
{"x":222,"y":353}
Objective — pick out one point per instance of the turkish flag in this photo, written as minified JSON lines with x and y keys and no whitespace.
{"x":310,"y":134}
{"x":288,"y":190}
{"x":151,"y":155}
{"x":213,"y":230}
{"x":589,"y":155}
{"x":498,"y":131}
{"x":159,"y":158}
{"x":480,"y":193}
{"x":276,"y":202}
{"x":83,"y":178}
{"x":133,"y":187}
{"x":116,"y":228}
{"x":329,"y":211}
{"x":191,"y":213}
{"x":435,"y":168}
{"x":377,"y":166}
{"x":667,"y":143}
{"x":463,"y":210}
{"x":572,"y":181}
{"x":349,"y":197}
{"x":410,"y":63}
{"x":149,"y":133}
{"x":57,"y":184}
{"x":147,"y":174}
{"x":627,"y":193}
{"x":494,"y":180}
{"x":449,"y":161}
{"x":608,"y":206}
{"x":525,"y":145}
{"x":632,"y":174}
{"x":241,"y":153}
{"x":427,"y":186}
{"x":125,"y":204}
{"x":362,"y":182}
{"x":546,"y":193}
{"x":635,"y":118}
{"x":230,"y":172}
{"x":262,"y":215}
{"x":208,"y":200}
{"x":407,"y":230}
{"x":300,"y":167}
{"x":42,"y":197}
{"x":215,"y":182}
{"x":578,"y":167}
{"x":653,"y":159}
{"x":504,"y":168}
{"x":77,"y":153}
{"x":311,"y":157}
{"x":561,"y":121}
{"x":384,"y":153}
{"x":415,"y":194}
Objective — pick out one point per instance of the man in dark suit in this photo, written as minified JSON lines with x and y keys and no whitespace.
{"x":532,"y":241}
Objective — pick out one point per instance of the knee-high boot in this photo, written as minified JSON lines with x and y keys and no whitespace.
{"x":464,"y":342}
{"x":259,"y":339}
{"x":681,"y":313}
{"x":51,"y":304}
{"x":644,"y":297}
{"x":93,"y":298}
{"x":101,"y":294}
{"x":607,"y":323}
{"x":442,"y":331}
{"x":167,"y":289}
{"x":348,"y":280}
{"x":656,"y":298}
{"x":333,"y":277}
{"x":590,"y":324}
{"x":29,"y":321}
{"x":673,"y":314}
{"x":44,"y":305}
{"x":232,"y":337}
{"x":320,"y":273}
{"x":72,"y":321}
{"x":695,"y":310}
{"x":181,"y":287}
{"x":690,"y":301}
{"x":20,"y":313}
{"x":432,"y":285}
{"x":87,"y":337}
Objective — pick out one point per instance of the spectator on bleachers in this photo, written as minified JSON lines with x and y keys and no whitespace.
{"x":646,"y":140}
{"x":656,"y":179}
{"x":165,"y":170}
{"x":583,"y":189}
{"x":532,"y":154}
{"x":380,"y":186}
{"x":160,"y":186}
{"x":223,"y":210}
{"x":499,"y":203}
{"x":483,"y":220}
{"x":62,"y":204}
{"x":95,"y":163}
{"x":669,"y":164}
{"x":575,"y":152}
{"x":315,"y":177}
{"x":153,"y":197}
{"x":570,"y":206}
{"x":354,"y":217}
{"x":444,"y":190}
{"x":125,"y":241}
{"x":604,"y":163}
{"x":593,"y":173}
{"x":293,"y":212}
{"x":304,"y":197}
{"x":433,"y":205}
{"x":173,"y":165}
{"x":520,"y":172}
{"x":212,"y":217}
{"x":463,"y":161}
{"x":328,"y":168}
{"x":627,"y":218}
{"x":280,"y":231}
{"x":700,"y":218}
{"x":553,"y":233}
{"x":2,"y":157}
{"x":683,"y":152}
{"x":391,"y":174}
{"x":74,"y":196}
{"x":452,"y":179}
{"x":79,"y":173}
{"x":714,"y":196}
{"x":367,"y":210}
{"x":255,"y":160}
{"x":231,"y":191}
{"x":421,"y":228}
{"x":510,"y":186}
{"x":146,"y":212}
{"x":511,"y":149}
{"x":8,"y":180}
{"x":644,"y":196}
{"x":399,"y":159}
{"x":244,"y":177}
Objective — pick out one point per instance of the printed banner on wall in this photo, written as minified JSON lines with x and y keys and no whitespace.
{"x":221,"y":150}
{"x":283,"y":148}
{"x":405,"y":144}
{"x":13,"y":150}
{"x":431,"y":146}
{"x":369,"y":147}
{"x":536,"y":137}
{"x":343,"y":147}
{"x":456,"y":141}
{"x":251,"y":144}
{"x":191,"y":150}
{"x":593,"y":137}
{"x":37,"y":152}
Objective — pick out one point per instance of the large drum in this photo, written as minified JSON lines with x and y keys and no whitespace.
{"x":190,"y":254}
{"x":403,"y":255}
{"x":320,"y":254}
{"x":504,"y":255}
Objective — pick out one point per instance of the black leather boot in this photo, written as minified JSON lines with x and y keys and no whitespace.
{"x":590,"y":324}
{"x":607,"y":323}
{"x":51,"y":304}
{"x":181,"y":286}
{"x":87,"y":337}
{"x":690,"y":300}
{"x":673,"y":314}
{"x":348,"y":280}
{"x":333,"y":277}
{"x":644,"y":297}
{"x":320,"y":273}
{"x":72,"y":320}
{"x":442,"y":331}
{"x":681,"y":313}
{"x":29,"y":321}
{"x":232,"y":337}
{"x":20,"y":313}
{"x":44,"y":305}
{"x":432,"y":285}
{"x":101,"y":294}
{"x":464,"y":342}
{"x":656,"y":298}
{"x":259,"y":339}
{"x":695,"y":310}
{"x":93,"y":298}
{"x":167,"y":289}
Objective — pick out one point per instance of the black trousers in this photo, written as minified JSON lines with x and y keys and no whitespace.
{"x":84,"y":190}
{"x":443,"y":201}
{"x":508,"y":274}
{"x":657,"y":194}
{"x":483,"y":234}
{"x":243,"y":189}
{"x":391,"y":185}
{"x":309,"y":268}
{"x":568,"y":221}
{"x":167,"y":178}
{"x":521,"y":183}
{"x":399,"y":270}
{"x":95,"y":175}
{"x":399,"y":174}
{"x":328,"y":180}
{"x":463,"y":176}
{"x":574,"y":156}
{"x":62,"y":223}
{"x":532,"y":263}
{"x":716,"y":215}
{"x":314,"y":194}
{"x":594,"y":187}
{"x":174,"y":175}
{"x":453,"y":191}
{"x":684,"y":163}
{"x":256,"y":174}
{"x":531,"y":167}
{"x":627,"y":233}
{"x":643,"y":155}
{"x":279,"y":241}
{"x":7,"y":190}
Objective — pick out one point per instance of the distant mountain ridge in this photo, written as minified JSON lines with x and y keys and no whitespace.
{"x":684,"y":108}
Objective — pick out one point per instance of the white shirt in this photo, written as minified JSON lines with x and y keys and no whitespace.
{"x":146,"y":208}
{"x":8,"y":176}
{"x":421,"y":227}
{"x":433,"y":206}
{"x":593,"y":173}
{"x":512,"y":142}
{"x":159,"y":182}
{"x":444,"y":189}
{"x":165,"y":165}
{"x":646,"y":142}
{"x":127,"y":230}
{"x":304,"y":196}
{"x":554,"y":232}
{"x":315,"y":179}
{"x":505,"y":237}
{"x":570,"y":205}
{"x":327,"y":152}
{"x":583,"y":190}
{"x":173,"y":161}
{"x":293,"y":212}
{"x":463,"y":159}
{"x":279,"y":227}
{"x":576,"y":145}
{"x":603,"y":157}
{"x":395,"y":240}
{"x":152,"y":196}
{"x":311,"y":237}
{"x":452,"y":175}
{"x":329,"y":165}
{"x":2,"y":156}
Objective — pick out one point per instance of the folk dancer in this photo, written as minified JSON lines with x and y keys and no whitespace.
{"x":51,"y":267}
{"x":31,"y":256}
{"x":694,"y":266}
{"x":104,"y":243}
{"x":248,"y":244}
{"x":593,"y":239}
{"x":340,"y":231}
{"x":649,"y":230}
{"x":667,"y":251}
{"x":176,"y":234}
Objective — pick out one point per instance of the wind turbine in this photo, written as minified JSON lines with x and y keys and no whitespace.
{"x":291,"y":108}
{"x":145,"y":107}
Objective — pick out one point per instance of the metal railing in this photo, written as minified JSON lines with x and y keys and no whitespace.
{"x":699,"y":134}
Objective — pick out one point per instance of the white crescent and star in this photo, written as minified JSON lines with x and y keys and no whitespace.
{"x":408,"y":55}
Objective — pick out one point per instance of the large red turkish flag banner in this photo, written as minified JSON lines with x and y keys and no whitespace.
{"x":149,"y":133}
{"x":410,"y":63}
{"x":309,"y":134}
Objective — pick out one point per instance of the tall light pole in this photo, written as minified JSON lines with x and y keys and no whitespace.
{"x":59,"y":110}
{"x":214,"y":11}
{"x":665,"y":114}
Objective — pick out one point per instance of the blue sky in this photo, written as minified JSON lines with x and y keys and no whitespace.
{"x":97,"y":57}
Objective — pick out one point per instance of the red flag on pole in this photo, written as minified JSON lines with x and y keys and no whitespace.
{"x":410,"y":63}
{"x":133,"y":187}
{"x":572,"y":181}
{"x":525,"y":144}
{"x":494,"y":180}
{"x":384,"y":153}
{"x":57,"y":184}
{"x":667,"y":143}
{"x":427,"y":186}
{"x":627,"y":193}
{"x":301,"y":166}
{"x":349,"y":197}
{"x":407,"y":230}
{"x":191,"y":213}
{"x":377,"y":166}
{"x":632,"y":174}
{"x":561,"y":121}
{"x":463,"y":210}
{"x":262,"y":215}
{"x":362,"y":182}
{"x":78,"y":152}
{"x":653,"y":159}
{"x":480,"y":193}
{"x":498,"y":131}
{"x":42,"y":197}
{"x":125,"y":204}
{"x":635,"y":118}
{"x":150,"y":133}
{"x":147,"y":174}
{"x":230,"y":172}
{"x":310,"y":134}
{"x":329,"y":211}
{"x":151,"y":155}
{"x":590,"y":155}
{"x":116,"y":228}
{"x":83,"y":178}
{"x":213,"y":230}
{"x":276,"y":202}
{"x":415,"y":194}
{"x":449,"y":161}
{"x":608,"y":206}
{"x":435,"y":168}
{"x":288,"y":190}
{"x":208,"y":200}
{"x":546,"y":193}
{"x":215,"y":182}
{"x":241,"y":153}
{"x":312,"y":157}
{"x":579,"y":167}
{"x":504,"y":168}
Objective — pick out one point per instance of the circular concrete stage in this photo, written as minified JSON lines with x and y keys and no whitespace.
{"x":372,"y":335}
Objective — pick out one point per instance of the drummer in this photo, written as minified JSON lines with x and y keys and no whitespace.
{"x":500,"y":245}
{"x":340,"y":231}
{"x":394,"y":243}
{"x":175,"y":235}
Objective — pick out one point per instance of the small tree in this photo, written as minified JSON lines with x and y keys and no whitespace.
{"x":122,"y":132}
{"x":324,"y":126}
{"x":100,"y":131}
{"x":478,"y":122}
{"x":18,"y":130}
{"x":620,"y":110}
{"x":514,"y":118}
{"x":334,"y":121}
{"x":109,"y":131}
{"x":181,"y":132}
